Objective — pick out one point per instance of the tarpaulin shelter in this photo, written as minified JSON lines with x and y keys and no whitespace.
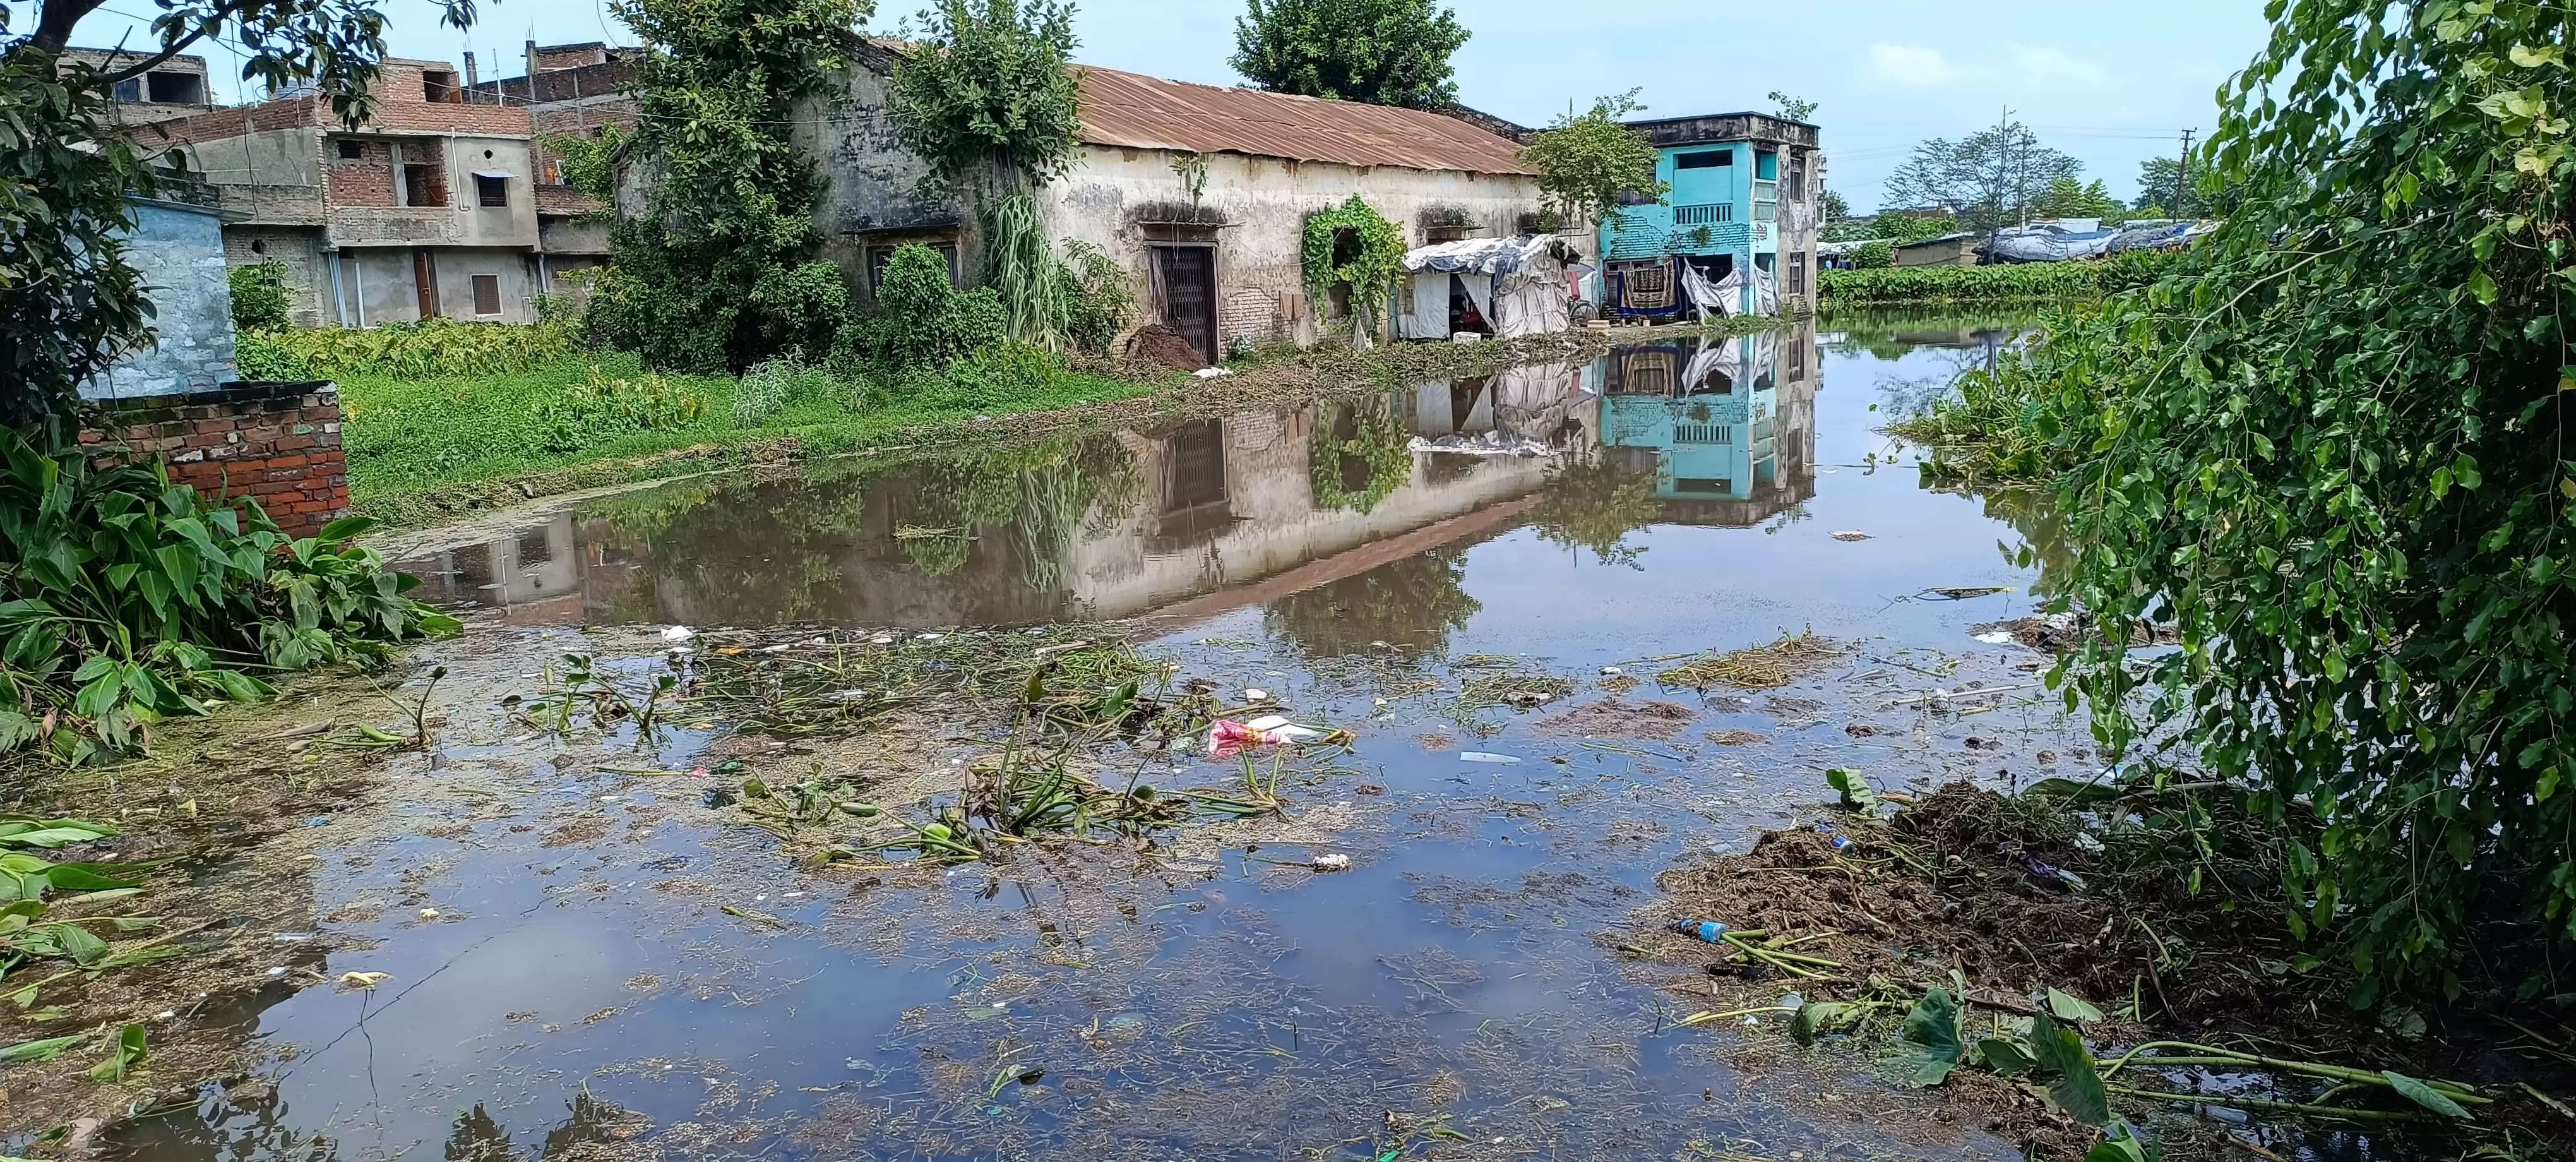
{"x":1517,"y":284}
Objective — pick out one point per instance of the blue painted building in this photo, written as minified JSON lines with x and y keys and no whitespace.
{"x":178,"y":248}
{"x":1742,"y":212}
{"x":1726,"y":427}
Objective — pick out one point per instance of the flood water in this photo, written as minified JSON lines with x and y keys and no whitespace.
{"x":1456,"y":994}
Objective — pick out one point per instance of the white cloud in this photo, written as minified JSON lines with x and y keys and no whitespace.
{"x":1912,"y":66}
{"x":2045,"y":66}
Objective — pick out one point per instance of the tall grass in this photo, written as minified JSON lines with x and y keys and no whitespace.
{"x":1020,"y":266}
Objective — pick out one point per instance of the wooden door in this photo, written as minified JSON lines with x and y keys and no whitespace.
{"x":1188,"y":275}
{"x":424,"y":276}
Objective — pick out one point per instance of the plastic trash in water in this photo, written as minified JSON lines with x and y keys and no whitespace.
{"x":1332,"y":862}
{"x":1227,"y":737}
{"x":1997,"y":638}
{"x":1479,"y":756}
{"x":1839,"y":840}
{"x":1211,"y":372}
{"x":2057,"y":875}
{"x":1850,"y":535}
{"x":1705,"y":931}
{"x":678,"y":633}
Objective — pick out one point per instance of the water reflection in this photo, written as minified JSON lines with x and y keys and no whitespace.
{"x":1726,"y":428}
{"x":1189,"y":519}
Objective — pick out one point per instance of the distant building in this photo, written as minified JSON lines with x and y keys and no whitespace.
{"x":427,"y":208}
{"x":1948,"y":250}
{"x":1742,"y":211}
{"x":569,"y":90}
{"x":1201,"y":192}
{"x":174,"y":88}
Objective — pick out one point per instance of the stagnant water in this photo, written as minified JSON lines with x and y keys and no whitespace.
{"x":1455,"y":994}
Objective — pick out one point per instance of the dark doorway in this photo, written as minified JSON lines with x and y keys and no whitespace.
{"x":1188,"y":275}
{"x":424,"y":277}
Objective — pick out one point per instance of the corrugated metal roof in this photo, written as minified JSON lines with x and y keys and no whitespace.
{"x":1141,"y":112}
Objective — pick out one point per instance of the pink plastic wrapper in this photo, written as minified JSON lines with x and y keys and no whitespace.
{"x":1228,"y":738}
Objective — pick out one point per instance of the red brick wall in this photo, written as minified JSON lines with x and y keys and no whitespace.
{"x":359,"y":183}
{"x":275,"y":443}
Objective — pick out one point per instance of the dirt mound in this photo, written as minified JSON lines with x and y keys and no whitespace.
{"x":1612,"y":718}
{"x":1160,"y":346}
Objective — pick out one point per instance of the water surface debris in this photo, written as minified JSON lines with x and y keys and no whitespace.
{"x":1764,"y":667}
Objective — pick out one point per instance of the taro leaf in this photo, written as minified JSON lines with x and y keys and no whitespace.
{"x":84,"y":877}
{"x":2424,"y":1095}
{"x":1931,"y":1046}
{"x":2072,"y":1083}
{"x":2121,"y":1143}
{"x":45,"y":1049}
{"x":79,"y":943}
{"x":2069,"y":1007}
{"x":1857,"y":794}
{"x":129,"y":1053}
{"x":1815,"y":1018}
{"x":2070,"y":789}
{"x":2004,"y":1057}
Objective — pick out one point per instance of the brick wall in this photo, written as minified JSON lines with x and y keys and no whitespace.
{"x":275,"y":443}
{"x":289,"y":247}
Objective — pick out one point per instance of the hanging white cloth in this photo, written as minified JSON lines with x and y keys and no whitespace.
{"x":1427,"y":314}
{"x":1480,"y":291}
{"x":1723,"y":297}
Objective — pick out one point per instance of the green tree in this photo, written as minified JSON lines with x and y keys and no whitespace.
{"x":1791,"y":108}
{"x":1589,"y":162}
{"x":1833,"y":207}
{"x":1378,"y":52}
{"x":2159,"y":179}
{"x":1991,"y":177}
{"x":259,"y":296}
{"x":2334,"y":455}
{"x":2068,"y":197}
{"x":719,"y":270}
{"x":988,"y":94}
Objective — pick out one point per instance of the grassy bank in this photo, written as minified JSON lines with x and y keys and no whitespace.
{"x":2018,"y":282}
{"x":429,"y":446}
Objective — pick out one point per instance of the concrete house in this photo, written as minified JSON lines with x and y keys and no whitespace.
{"x":427,"y":208}
{"x":569,"y":90}
{"x":174,"y":88}
{"x":1202,"y":192}
{"x":1742,"y":216}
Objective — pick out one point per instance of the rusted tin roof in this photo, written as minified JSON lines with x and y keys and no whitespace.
{"x":1141,"y":112}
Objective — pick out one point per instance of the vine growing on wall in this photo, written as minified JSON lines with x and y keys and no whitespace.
{"x":1353,"y":246}
{"x":719,"y":269}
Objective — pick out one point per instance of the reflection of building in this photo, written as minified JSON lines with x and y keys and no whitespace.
{"x":1184,"y":521}
{"x":1727,"y":427}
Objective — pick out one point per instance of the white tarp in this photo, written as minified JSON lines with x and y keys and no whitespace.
{"x":1426,"y":314}
{"x":1518,"y":285}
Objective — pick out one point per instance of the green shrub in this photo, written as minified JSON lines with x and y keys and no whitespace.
{"x":987,"y":381}
{"x":773,"y":385}
{"x":1973,"y":284}
{"x":426,"y":348}
{"x":259,"y":296}
{"x":801,"y":308}
{"x":1878,"y":254}
{"x":922,"y":320}
{"x":1100,"y":299}
{"x":129,"y":598}
{"x":603,"y":410}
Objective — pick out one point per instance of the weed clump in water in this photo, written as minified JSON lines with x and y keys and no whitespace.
{"x":1765,"y":667}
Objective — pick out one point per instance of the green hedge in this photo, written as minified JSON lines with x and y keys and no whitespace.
{"x":1970,"y":284}
{"x":429,"y":347}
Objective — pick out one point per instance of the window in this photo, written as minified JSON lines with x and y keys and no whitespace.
{"x":437,"y":86}
{"x":259,"y":246}
{"x":416,"y":190}
{"x":1704,"y":215}
{"x":168,"y":88}
{"x":1766,"y":165}
{"x":353,"y":150}
{"x":1798,"y":273}
{"x":129,"y":90}
{"x":1797,"y":177}
{"x":487,"y":294}
{"x":491,"y":190}
{"x":1633,"y":198}
{"x":1705,"y":159}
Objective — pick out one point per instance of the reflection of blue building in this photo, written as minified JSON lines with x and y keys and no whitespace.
{"x":1710,"y":420}
{"x":1743,"y":193}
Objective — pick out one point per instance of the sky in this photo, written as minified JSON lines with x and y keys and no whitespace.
{"x":2104,"y":83}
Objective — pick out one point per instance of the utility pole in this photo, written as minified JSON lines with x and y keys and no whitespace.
{"x":2182,"y":174}
{"x":2003,"y":166}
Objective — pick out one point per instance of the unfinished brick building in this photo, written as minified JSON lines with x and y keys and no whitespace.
{"x":431,"y":207}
